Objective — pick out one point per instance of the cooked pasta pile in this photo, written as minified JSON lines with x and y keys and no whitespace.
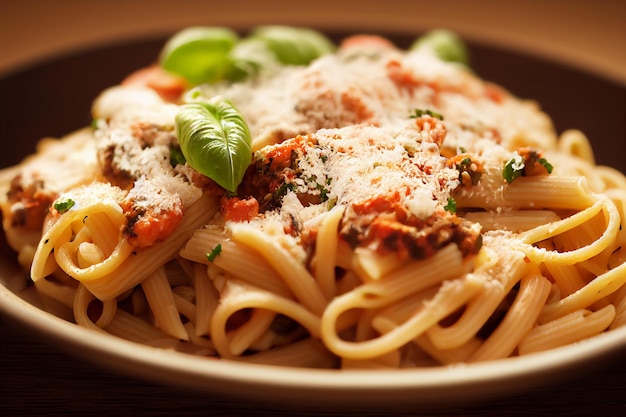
{"x":391,"y":210}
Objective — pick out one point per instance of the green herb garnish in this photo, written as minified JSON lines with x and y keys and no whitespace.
{"x":208,"y":54}
{"x":547,"y":165}
{"x":199,"y":54}
{"x":446,"y":44}
{"x":294,"y":45}
{"x":419,"y":113}
{"x":64,"y":206}
{"x":214,"y":252}
{"x":215,"y":140}
{"x":513,"y":169}
{"x":282,"y":189}
{"x":451,"y":206}
{"x":526,"y":162}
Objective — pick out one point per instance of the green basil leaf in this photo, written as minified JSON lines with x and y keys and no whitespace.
{"x":215,"y":140}
{"x":248,"y":57}
{"x":447,"y":45}
{"x":294,"y":45}
{"x":64,"y":205}
{"x":199,"y":54}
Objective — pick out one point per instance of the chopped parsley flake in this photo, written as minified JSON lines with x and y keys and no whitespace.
{"x":323,"y":190}
{"x":420,"y":113}
{"x":527,"y":162}
{"x":451,"y":206}
{"x":214,"y":253}
{"x":282,"y":190}
{"x":64,"y":206}
{"x":548,"y":166}
{"x":513,"y":169}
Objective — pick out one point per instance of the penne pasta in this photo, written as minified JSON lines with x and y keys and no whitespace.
{"x":369,"y":209}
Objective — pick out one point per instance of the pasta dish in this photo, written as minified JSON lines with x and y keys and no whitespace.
{"x":275,"y":198}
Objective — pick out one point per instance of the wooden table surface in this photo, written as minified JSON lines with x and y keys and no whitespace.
{"x":37,"y":379}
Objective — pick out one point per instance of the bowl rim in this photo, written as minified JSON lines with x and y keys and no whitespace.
{"x":244,"y":380}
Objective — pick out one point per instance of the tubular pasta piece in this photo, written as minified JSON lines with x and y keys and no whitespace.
{"x":389,"y":360}
{"x":237,"y":258}
{"x":519,"y":319}
{"x":326,"y":252}
{"x":163,"y":305}
{"x":133,"y":328}
{"x":298,"y":279}
{"x":61,"y":293}
{"x":206,"y":300}
{"x":185,"y":307}
{"x":367,"y":296}
{"x":566,"y":277}
{"x":142,"y":263}
{"x":453,"y":355}
{"x":305,"y":353}
{"x":597,"y":289}
{"x":513,"y":220}
{"x":573,"y":327}
{"x":500,"y":273}
{"x":551,"y":192}
{"x":620,"y":309}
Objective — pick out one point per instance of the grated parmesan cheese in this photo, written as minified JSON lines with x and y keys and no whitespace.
{"x":362,"y":142}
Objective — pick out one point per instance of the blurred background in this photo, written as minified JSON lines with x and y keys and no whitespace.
{"x":568,"y":55}
{"x":586,"y":33}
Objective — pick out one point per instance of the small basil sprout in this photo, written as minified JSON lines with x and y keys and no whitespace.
{"x":514,"y":168}
{"x":214,"y":252}
{"x":547,"y":165}
{"x":419,"y":113}
{"x":451,"y":206}
{"x":64,"y":205}
{"x":293,"y":45}
{"x":446,"y":44}
{"x":199,"y":54}
{"x":215,"y":140}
